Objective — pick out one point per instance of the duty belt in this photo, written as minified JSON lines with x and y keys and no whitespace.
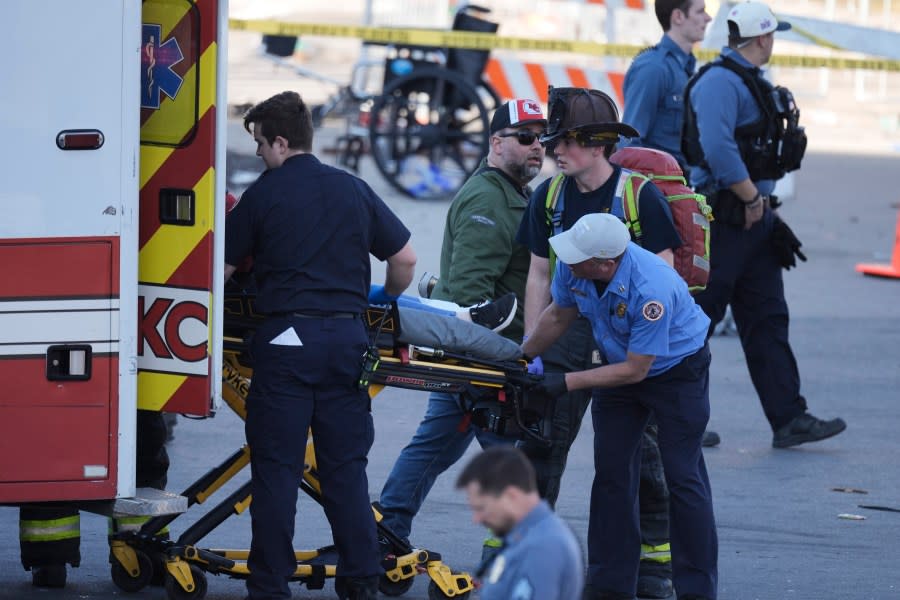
{"x":322,"y":315}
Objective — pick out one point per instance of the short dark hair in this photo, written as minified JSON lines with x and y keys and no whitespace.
{"x":498,"y":468}
{"x":284,"y":115}
{"x":735,"y":41}
{"x":665,"y":8}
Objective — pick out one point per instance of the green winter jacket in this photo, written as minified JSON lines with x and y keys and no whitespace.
{"x":480,"y":258}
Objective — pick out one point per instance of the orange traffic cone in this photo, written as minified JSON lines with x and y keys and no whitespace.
{"x":891,"y":270}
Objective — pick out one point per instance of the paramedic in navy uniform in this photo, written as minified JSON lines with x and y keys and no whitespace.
{"x":653,"y":337}
{"x":310,"y":229}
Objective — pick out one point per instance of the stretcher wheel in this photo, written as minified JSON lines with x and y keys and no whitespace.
{"x":436,"y":593}
{"x":394,"y":588}
{"x":128,"y":582}
{"x":176,"y":592}
{"x":428,"y":132}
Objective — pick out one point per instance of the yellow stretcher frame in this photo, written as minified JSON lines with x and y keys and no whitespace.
{"x":497,"y":391}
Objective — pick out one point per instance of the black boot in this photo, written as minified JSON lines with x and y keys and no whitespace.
{"x":356,"y":588}
{"x":48,"y":576}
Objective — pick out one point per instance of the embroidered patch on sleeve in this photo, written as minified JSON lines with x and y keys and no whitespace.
{"x":483,"y":220}
{"x":653,"y":310}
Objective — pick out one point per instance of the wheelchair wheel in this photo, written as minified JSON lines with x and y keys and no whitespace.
{"x":428,"y":132}
{"x":489,"y":95}
{"x":132,"y":582}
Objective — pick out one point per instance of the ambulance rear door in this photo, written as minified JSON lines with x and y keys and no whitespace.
{"x":68,"y":248}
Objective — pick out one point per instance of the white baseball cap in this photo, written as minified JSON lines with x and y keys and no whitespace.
{"x":597,"y":235}
{"x":754,"y":19}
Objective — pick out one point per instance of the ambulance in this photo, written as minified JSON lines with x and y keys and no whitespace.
{"x":111,"y":234}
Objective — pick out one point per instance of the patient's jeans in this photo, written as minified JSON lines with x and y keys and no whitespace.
{"x":437,"y":445}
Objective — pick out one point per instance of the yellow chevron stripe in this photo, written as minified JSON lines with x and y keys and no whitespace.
{"x":155,"y":389}
{"x":176,"y":243}
{"x":165,"y":14}
{"x":208,"y":65}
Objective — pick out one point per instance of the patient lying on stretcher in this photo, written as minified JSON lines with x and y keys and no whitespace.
{"x":423,"y":321}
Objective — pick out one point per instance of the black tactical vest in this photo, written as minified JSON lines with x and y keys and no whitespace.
{"x":772,"y":145}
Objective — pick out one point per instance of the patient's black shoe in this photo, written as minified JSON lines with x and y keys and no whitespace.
{"x":496,"y":315}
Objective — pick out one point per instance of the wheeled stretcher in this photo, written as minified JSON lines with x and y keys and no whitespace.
{"x":496,"y":394}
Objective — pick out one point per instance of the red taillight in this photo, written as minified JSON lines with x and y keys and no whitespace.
{"x":79,"y":139}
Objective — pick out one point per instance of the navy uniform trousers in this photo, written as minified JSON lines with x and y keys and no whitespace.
{"x":745,"y":273}
{"x":575,"y":351}
{"x":295,"y":387}
{"x":679,"y":399}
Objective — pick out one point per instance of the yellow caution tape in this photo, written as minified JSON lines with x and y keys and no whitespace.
{"x":488,"y":41}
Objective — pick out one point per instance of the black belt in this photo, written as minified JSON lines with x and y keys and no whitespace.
{"x":324,"y":315}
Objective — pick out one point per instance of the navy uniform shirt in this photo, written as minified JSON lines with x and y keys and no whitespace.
{"x":310,"y":229}
{"x":646,"y":309}
{"x":654,"y":96}
{"x":722,"y":103}
{"x":657,"y":227}
{"x":540,"y":560}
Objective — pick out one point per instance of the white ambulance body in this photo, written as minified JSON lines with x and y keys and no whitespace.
{"x":110,"y":261}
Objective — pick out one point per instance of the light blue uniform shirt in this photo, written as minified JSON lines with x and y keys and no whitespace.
{"x":722,"y":103}
{"x":540,"y":560}
{"x":646,"y":309}
{"x":654,"y":96}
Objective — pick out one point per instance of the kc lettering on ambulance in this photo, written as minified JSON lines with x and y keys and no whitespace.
{"x":112,"y":267}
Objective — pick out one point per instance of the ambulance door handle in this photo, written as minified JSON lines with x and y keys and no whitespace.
{"x":79,"y":139}
{"x":69,"y":362}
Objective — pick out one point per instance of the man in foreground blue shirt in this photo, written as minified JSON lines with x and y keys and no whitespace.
{"x":653,"y":338}
{"x":655,"y":81}
{"x":540,"y":558}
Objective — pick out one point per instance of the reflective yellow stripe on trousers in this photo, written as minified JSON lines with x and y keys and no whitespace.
{"x":660,"y":554}
{"x":50,"y":530}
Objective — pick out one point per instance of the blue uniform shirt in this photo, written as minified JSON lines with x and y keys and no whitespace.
{"x":310,"y":229}
{"x":722,"y":103}
{"x":540,"y":560}
{"x":658,"y":229}
{"x":646,"y":309}
{"x":654,"y":96}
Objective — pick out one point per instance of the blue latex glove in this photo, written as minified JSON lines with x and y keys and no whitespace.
{"x":377,"y":295}
{"x":536,"y":366}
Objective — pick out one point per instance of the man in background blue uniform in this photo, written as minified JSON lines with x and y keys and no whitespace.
{"x":539,"y":558}
{"x":653,"y":338}
{"x":310,"y":229}
{"x":737,"y":163}
{"x":655,"y":81}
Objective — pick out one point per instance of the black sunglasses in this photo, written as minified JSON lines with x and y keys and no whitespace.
{"x":525,"y":138}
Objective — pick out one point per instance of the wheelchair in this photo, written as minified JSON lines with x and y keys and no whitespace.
{"x":429,"y":129}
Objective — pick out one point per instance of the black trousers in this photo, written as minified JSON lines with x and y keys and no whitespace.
{"x":576,"y":350}
{"x":745,"y":273}
{"x":295,"y":388}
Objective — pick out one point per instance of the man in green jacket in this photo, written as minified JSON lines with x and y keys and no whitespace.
{"x":480,"y":259}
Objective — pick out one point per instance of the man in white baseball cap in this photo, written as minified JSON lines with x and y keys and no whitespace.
{"x":753,"y":19}
{"x":652,"y":336}
{"x":740,"y":141}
